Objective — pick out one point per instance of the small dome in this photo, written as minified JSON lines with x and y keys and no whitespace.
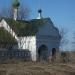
{"x":39,"y":11}
{"x":39,"y":14}
{"x":16,"y":3}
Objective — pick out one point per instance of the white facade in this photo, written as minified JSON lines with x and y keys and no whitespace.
{"x":28,"y":43}
{"x":47,"y":35}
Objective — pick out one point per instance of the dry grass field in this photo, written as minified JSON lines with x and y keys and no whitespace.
{"x":37,"y":68}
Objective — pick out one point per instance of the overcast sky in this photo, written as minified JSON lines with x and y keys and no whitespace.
{"x":61,"y":12}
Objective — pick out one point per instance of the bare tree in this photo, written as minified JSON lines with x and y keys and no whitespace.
{"x":64,"y":41}
{"x":23,"y":12}
{"x":73,"y":41}
{"x":7,"y":12}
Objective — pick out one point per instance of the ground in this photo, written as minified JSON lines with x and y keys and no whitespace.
{"x":37,"y":68}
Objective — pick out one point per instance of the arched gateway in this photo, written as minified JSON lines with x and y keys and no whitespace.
{"x":43,"y":52}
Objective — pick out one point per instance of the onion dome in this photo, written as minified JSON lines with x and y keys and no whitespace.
{"x":39,"y":11}
{"x":16,"y":3}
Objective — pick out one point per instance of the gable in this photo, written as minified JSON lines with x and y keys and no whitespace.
{"x":49,"y":29}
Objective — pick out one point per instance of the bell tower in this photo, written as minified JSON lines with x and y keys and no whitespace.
{"x":15,"y":5}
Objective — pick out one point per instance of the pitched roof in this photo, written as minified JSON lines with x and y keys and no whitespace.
{"x":25,"y":28}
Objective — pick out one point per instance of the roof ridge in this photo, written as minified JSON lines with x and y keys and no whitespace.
{"x":9,"y":29}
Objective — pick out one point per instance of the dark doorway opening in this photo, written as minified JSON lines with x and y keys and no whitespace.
{"x":43,"y":52}
{"x":53,"y":52}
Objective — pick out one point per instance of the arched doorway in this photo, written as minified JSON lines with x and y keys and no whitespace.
{"x":43,"y":52}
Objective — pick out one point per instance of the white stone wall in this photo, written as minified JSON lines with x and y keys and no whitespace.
{"x":49,"y":42}
{"x":48,"y":35}
{"x":28,"y":43}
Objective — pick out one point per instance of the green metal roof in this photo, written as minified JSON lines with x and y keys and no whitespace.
{"x":25,"y":28}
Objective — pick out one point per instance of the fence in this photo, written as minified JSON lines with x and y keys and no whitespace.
{"x":8,"y":45}
{"x":18,"y":54}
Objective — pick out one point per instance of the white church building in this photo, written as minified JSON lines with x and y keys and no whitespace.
{"x":39,"y":35}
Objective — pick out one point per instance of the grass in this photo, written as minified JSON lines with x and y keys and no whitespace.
{"x":37,"y":68}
